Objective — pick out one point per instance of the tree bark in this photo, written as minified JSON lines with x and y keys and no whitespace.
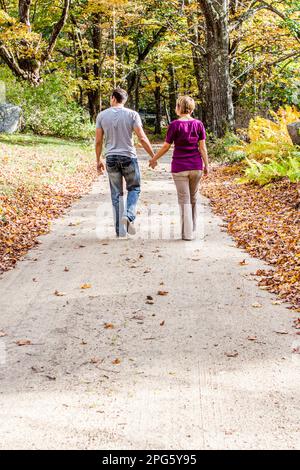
{"x":137,"y":93}
{"x":24,"y":11}
{"x":218,"y":94}
{"x":172,"y":91}
{"x":157,"y":96}
{"x":93,"y":104}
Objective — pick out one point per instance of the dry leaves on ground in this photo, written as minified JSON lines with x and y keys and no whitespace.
{"x":265,"y":222}
{"x":37,"y":184}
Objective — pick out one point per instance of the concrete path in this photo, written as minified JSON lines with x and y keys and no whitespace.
{"x":209,"y":365}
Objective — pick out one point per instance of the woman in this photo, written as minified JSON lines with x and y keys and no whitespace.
{"x":190,"y":159}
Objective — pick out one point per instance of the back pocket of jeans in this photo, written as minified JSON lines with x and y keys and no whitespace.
{"x":126,"y":162}
{"x":111,"y":164}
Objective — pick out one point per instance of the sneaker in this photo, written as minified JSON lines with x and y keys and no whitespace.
{"x":129,"y":225}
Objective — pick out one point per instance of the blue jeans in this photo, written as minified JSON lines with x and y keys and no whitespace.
{"x":119,"y":167}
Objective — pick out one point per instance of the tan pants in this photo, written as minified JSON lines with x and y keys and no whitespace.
{"x":187,"y":185}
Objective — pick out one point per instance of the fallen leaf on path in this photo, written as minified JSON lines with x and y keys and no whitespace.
{"x":66,"y":269}
{"x":2,"y":333}
{"x":108,"y":326}
{"x":50,"y":377}
{"x":95,"y":360}
{"x":232,"y":354}
{"x":147,"y":271}
{"x":85,"y":286}
{"x":59,"y":294}
{"x":138,"y":317}
{"x":252,"y":338}
{"x":296,"y":323}
{"x":162,"y":323}
{"x":162,"y":292}
{"x":256,"y":305}
{"x":281,"y":332}
{"x":116,"y":361}
{"x":149,"y":302}
{"x":23,"y":342}
{"x":37,"y":370}
{"x":149,"y":297}
{"x":243,"y":263}
{"x":229,"y":432}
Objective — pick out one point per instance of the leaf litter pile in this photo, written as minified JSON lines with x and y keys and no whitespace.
{"x":38,"y":181}
{"x":265,"y":221}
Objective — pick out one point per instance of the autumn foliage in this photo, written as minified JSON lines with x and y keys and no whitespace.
{"x":37,"y":184}
{"x":265,"y":222}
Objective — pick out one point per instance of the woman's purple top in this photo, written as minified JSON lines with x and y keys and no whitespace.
{"x":186,"y":136}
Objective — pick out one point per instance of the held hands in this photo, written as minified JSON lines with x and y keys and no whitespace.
{"x":100,"y":167}
{"x":153,"y":163}
{"x":205,"y":170}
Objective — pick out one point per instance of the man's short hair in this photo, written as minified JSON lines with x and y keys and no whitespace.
{"x":120,"y":95}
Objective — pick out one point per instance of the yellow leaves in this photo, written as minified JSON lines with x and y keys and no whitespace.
{"x":273,"y":132}
{"x":104,"y":7}
{"x":269,"y":139}
{"x":5,"y":19}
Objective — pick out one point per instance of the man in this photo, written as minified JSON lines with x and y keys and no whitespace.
{"x":116,"y":125}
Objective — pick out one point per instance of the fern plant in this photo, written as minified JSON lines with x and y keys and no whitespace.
{"x":271,"y":170}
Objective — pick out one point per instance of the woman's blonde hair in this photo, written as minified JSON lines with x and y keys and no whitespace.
{"x":185,"y":105}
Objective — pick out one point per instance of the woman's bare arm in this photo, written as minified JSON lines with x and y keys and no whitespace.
{"x":204,"y":154}
{"x":162,"y":151}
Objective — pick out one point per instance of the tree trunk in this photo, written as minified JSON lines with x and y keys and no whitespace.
{"x":218,"y":99}
{"x":94,"y":93}
{"x":137,"y":93}
{"x":94,"y":104}
{"x":131,"y":85}
{"x":172,"y":91}
{"x":157,"y":96}
{"x":24,"y":10}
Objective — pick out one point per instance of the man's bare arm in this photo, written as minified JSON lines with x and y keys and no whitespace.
{"x":144,"y":141}
{"x":98,"y":148}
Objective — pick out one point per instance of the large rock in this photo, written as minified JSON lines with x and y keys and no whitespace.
{"x":294,"y":131}
{"x":9,"y":117}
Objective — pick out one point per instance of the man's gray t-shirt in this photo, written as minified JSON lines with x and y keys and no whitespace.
{"x":118,"y":125}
